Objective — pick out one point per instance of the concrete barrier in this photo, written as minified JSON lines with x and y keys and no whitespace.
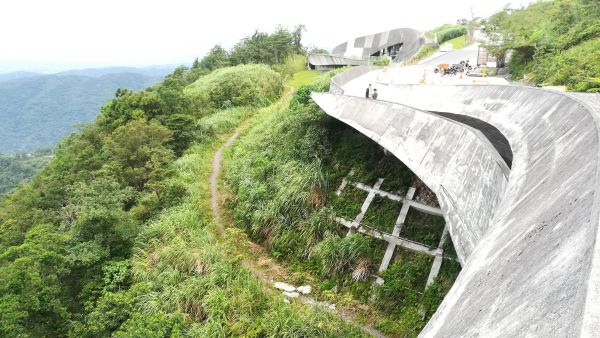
{"x":528,"y":241}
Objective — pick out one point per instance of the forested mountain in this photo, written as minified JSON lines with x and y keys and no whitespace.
{"x":38,"y":111}
{"x":117,"y":236}
{"x":113,"y":237}
{"x":17,"y":75}
{"x":154,"y":71}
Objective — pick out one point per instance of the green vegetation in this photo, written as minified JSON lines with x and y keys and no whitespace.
{"x":21,"y":167}
{"x":382,"y":61}
{"x":425,"y":51}
{"x":447,"y":32}
{"x":302,"y":77}
{"x":382,"y":214}
{"x":283,"y":174}
{"x":243,"y":85}
{"x":265,"y":48}
{"x":456,"y":35}
{"x":423,"y":228}
{"x":38,"y":111}
{"x":458,"y":42}
{"x":552,"y":43}
{"x":114,"y":237}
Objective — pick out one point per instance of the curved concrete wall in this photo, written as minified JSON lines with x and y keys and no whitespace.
{"x":422,"y":141}
{"x":533,"y":268}
{"x":341,"y":79}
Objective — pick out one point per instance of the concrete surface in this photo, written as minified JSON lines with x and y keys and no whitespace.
{"x":389,"y":251}
{"x":453,"y":56}
{"x":526,"y":237}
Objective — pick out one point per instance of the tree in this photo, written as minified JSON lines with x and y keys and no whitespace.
{"x":217,"y":57}
{"x":183,"y":128}
{"x":31,"y":301}
{"x":297,"y":38}
{"x":138,"y":151}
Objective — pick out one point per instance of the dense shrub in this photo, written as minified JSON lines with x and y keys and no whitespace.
{"x":244,"y":85}
{"x":552,"y":42}
{"x":449,"y":32}
{"x":578,"y":67}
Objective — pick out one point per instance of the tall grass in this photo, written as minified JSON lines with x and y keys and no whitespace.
{"x":283,"y":173}
{"x":243,"y":85}
{"x":189,"y":274}
{"x":185,"y":281}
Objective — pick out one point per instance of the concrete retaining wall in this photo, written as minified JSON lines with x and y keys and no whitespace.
{"x":533,"y":268}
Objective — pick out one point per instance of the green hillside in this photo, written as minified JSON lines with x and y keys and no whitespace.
{"x":283,"y":175}
{"x":115,"y":236}
{"x":38,"y":111}
{"x":552,"y":42}
{"x":131,"y":228}
{"x":18,"y":168}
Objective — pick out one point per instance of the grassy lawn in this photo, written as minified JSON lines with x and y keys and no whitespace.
{"x":425,"y":52}
{"x":459,"y":42}
{"x":303,"y":77}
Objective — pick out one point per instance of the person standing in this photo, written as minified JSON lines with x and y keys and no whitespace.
{"x":368,"y":92}
{"x":374,"y":95}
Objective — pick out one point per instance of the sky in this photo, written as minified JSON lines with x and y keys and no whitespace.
{"x":42,"y":35}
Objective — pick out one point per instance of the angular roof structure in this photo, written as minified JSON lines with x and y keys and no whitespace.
{"x":400,"y":44}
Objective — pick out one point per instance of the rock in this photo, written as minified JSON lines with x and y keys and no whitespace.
{"x":284,"y":286}
{"x":304,"y":289}
{"x":293,"y":294}
{"x":286,"y":300}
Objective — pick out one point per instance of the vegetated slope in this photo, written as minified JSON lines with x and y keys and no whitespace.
{"x":283,"y":175}
{"x":442,"y":34}
{"x":19,"y":168}
{"x":244,"y":85}
{"x":36,"y":112}
{"x":447,"y":32}
{"x":114,"y":237}
{"x":552,"y":42}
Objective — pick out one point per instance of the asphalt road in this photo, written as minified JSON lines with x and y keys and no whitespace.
{"x":454,"y":56}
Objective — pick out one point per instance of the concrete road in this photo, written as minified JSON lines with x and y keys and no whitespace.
{"x":453,"y":56}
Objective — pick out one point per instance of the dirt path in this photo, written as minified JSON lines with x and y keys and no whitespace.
{"x":270,"y":270}
{"x":214,"y":183}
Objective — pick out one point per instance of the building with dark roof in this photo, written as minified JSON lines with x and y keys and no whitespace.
{"x":399,"y":44}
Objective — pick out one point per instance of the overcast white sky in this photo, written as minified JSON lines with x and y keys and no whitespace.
{"x":67,"y":34}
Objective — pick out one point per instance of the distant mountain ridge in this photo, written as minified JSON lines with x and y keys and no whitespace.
{"x":92,"y":72}
{"x":38,"y":110}
{"x":17,"y":75}
{"x":97,"y":72}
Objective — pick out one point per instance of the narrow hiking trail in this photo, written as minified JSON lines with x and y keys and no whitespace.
{"x":214,"y":182}
{"x":266,"y":270}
